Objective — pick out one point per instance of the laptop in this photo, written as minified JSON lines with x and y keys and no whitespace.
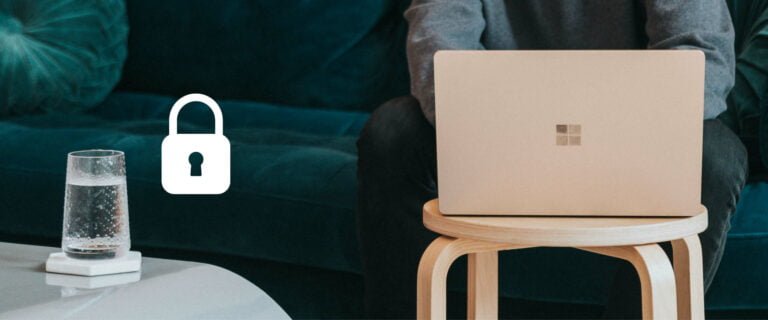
{"x":569,"y":133}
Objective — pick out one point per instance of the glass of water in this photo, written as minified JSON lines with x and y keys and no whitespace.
{"x":96,"y":206}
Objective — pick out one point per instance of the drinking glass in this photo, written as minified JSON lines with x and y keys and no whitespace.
{"x":96,"y":206}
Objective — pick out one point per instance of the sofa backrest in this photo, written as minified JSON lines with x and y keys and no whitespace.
{"x":339,"y":54}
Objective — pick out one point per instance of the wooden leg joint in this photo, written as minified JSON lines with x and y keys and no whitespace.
{"x":657,"y":278}
{"x":483,"y":277}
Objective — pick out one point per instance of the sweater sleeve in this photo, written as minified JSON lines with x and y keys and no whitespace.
{"x":704,"y":25}
{"x":439,"y":25}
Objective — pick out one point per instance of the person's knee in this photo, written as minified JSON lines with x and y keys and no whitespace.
{"x":394,"y":129}
{"x":724,"y":163}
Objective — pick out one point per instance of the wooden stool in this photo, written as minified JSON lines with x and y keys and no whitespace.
{"x":632,"y":239}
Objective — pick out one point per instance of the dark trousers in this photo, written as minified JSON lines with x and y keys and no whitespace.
{"x":397,"y":174}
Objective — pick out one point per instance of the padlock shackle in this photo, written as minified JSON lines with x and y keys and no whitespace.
{"x":218,"y":120}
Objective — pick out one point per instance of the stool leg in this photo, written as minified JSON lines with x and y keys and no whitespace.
{"x":433,"y":271}
{"x":483,"y":285}
{"x":657,"y":279}
{"x":689,"y":276}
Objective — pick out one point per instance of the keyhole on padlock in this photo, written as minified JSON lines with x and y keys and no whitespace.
{"x":196,"y":163}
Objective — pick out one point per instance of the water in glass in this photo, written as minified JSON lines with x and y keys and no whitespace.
{"x":96,"y":206}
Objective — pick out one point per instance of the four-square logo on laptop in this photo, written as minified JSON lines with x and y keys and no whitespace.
{"x":568,"y":134}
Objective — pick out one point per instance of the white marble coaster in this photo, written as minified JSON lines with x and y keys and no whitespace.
{"x":81,"y":282}
{"x":59,"y":263}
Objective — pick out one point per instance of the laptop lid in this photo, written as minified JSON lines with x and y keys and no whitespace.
{"x":569,"y":132}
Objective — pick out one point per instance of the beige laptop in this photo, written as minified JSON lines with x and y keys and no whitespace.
{"x":603,"y":133}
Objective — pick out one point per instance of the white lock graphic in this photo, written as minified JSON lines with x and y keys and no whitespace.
{"x":195,"y":163}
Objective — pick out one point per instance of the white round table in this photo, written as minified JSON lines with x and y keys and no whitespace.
{"x":163,"y":289}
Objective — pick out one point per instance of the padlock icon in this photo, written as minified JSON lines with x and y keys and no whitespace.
{"x":195,"y":163}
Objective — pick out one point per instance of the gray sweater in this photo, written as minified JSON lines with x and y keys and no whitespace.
{"x":571,"y":24}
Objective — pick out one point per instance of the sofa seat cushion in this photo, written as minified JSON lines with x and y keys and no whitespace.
{"x":292,"y":195}
{"x":741,"y":282}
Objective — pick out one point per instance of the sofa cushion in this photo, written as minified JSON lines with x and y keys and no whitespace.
{"x":347,"y":54}
{"x":291,"y":198}
{"x":59,"y":54}
{"x":741,"y":282}
{"x":122,"y":107}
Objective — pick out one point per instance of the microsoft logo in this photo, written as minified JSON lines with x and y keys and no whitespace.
{"x":568,"y":134}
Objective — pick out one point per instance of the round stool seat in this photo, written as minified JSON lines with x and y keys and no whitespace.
{"x":565,"y":231}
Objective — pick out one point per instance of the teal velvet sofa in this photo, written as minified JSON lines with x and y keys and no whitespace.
{"x":296,"y":81}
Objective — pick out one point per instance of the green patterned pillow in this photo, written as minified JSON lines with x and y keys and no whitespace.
{"x":59,"y":55}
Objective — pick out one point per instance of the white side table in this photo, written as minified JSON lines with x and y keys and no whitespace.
{"x":165,"y":289}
